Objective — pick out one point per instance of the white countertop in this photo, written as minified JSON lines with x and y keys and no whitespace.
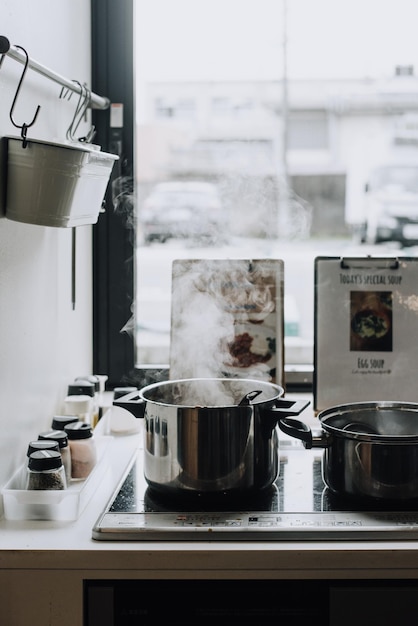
{"x":46,"y":544}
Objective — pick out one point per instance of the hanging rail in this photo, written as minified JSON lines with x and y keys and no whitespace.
{"x":96,"y":102}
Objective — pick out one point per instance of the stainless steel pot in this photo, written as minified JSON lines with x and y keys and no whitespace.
{"x":211,"y":435}
{"x":370,"y":448}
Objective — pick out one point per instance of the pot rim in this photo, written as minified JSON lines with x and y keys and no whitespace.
{"x":353,"y":407}
{"x":279,"y":391}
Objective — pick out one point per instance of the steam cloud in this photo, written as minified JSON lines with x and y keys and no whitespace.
{"x":211,"y":301}
{"x":200,"y":328}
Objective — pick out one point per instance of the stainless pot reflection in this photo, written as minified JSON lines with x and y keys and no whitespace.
{"x":370,"y":448}
{"x":202,"y":438}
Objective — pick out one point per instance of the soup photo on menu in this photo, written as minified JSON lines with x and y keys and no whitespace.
{"x":371,"y":325}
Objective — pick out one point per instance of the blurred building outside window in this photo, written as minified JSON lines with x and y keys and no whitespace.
{"x":286,"y":114}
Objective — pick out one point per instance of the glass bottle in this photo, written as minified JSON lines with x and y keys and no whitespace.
{"x":84,"y":389}
{"x":93,"y":380}
{"x":45,"y":471}
{"x":82,"y":448}
{"x":80,"y":406}
{"x":61,"y":437}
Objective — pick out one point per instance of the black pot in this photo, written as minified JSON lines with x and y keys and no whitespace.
{"x":370,"y":448}
{"x":211,"y":435}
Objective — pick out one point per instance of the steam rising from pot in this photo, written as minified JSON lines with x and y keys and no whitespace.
{"x":212,"y":301}
{"x":200,"y":328}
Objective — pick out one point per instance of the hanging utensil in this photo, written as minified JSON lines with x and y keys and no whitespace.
{"x":80,"y":111}
{"x":24,"y":127}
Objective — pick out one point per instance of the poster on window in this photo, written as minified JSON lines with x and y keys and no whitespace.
{"x":365,"y":330}
{"x":227,"y":319}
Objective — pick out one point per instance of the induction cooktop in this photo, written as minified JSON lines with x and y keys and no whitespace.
{"x":298,"y":506}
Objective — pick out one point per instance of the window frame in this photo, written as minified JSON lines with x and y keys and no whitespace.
{"x":112,"y":73}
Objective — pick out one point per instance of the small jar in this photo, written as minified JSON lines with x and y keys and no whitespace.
{"x":80,"y":405}
{"x":45,"y":471}
{"x":60,"y":421}
{"x":62,"y":438}
{"x":82,"y":449}
{"x":91,"y":380}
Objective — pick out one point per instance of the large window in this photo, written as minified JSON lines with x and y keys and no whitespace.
{"x":284,"y":107}
{"x":279,"y":111}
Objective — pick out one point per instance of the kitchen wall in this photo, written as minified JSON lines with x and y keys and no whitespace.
{"x":44,"y":341}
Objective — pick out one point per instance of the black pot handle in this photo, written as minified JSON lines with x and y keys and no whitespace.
{"x":298,"y":429}
{"x":133,"y":403}
{"x":282,"y":408}
{"x":287,"y":408}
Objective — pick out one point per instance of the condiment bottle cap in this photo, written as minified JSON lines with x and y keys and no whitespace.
{"x":91,"y":378}
{"x":78,"y":430}
{"x":81,"y":387}
{"x":57,"y":435}
{"x":45,"y":460}
{"x":59,"y":421}
{"x":36,"y":445}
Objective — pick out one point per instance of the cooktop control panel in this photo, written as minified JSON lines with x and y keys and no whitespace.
{"x":256,"y":526}
{"x":298,"y":507}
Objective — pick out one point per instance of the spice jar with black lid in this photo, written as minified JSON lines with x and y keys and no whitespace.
{"x":82,"y":449}
{"x":84,"y":408}
{"x":45,"y":471}
{"x":80,"y":406}
{"x":59,"y":421}
{"x":61,"y":437}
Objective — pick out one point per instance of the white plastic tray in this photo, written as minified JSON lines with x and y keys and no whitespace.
{"x":68,"y":504}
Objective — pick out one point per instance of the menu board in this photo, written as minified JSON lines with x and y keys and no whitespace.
{"x":366,"y":330}
{"x":227,"y":319}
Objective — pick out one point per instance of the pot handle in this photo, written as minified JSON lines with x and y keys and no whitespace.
{"x":282,"y":408}
{"x":298,"y":429}
{"x":288,"y":407}
{"x":132,"y":402}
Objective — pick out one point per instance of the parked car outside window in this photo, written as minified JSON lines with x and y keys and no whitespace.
{"x":183,"y":209}
{"x":391,"y":210}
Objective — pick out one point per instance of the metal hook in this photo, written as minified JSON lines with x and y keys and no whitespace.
{"x":80,"y":111}
{"x":24,"y":126}
{"x":66,"y":93}
{"x":83,"y":107}
{"x":74,"y":122}
{"x":91,"y":133}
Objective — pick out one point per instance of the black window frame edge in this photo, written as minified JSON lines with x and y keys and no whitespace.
{"x":112,"y":53}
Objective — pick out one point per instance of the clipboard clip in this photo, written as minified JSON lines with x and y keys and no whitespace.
{"x":369,"y":263}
